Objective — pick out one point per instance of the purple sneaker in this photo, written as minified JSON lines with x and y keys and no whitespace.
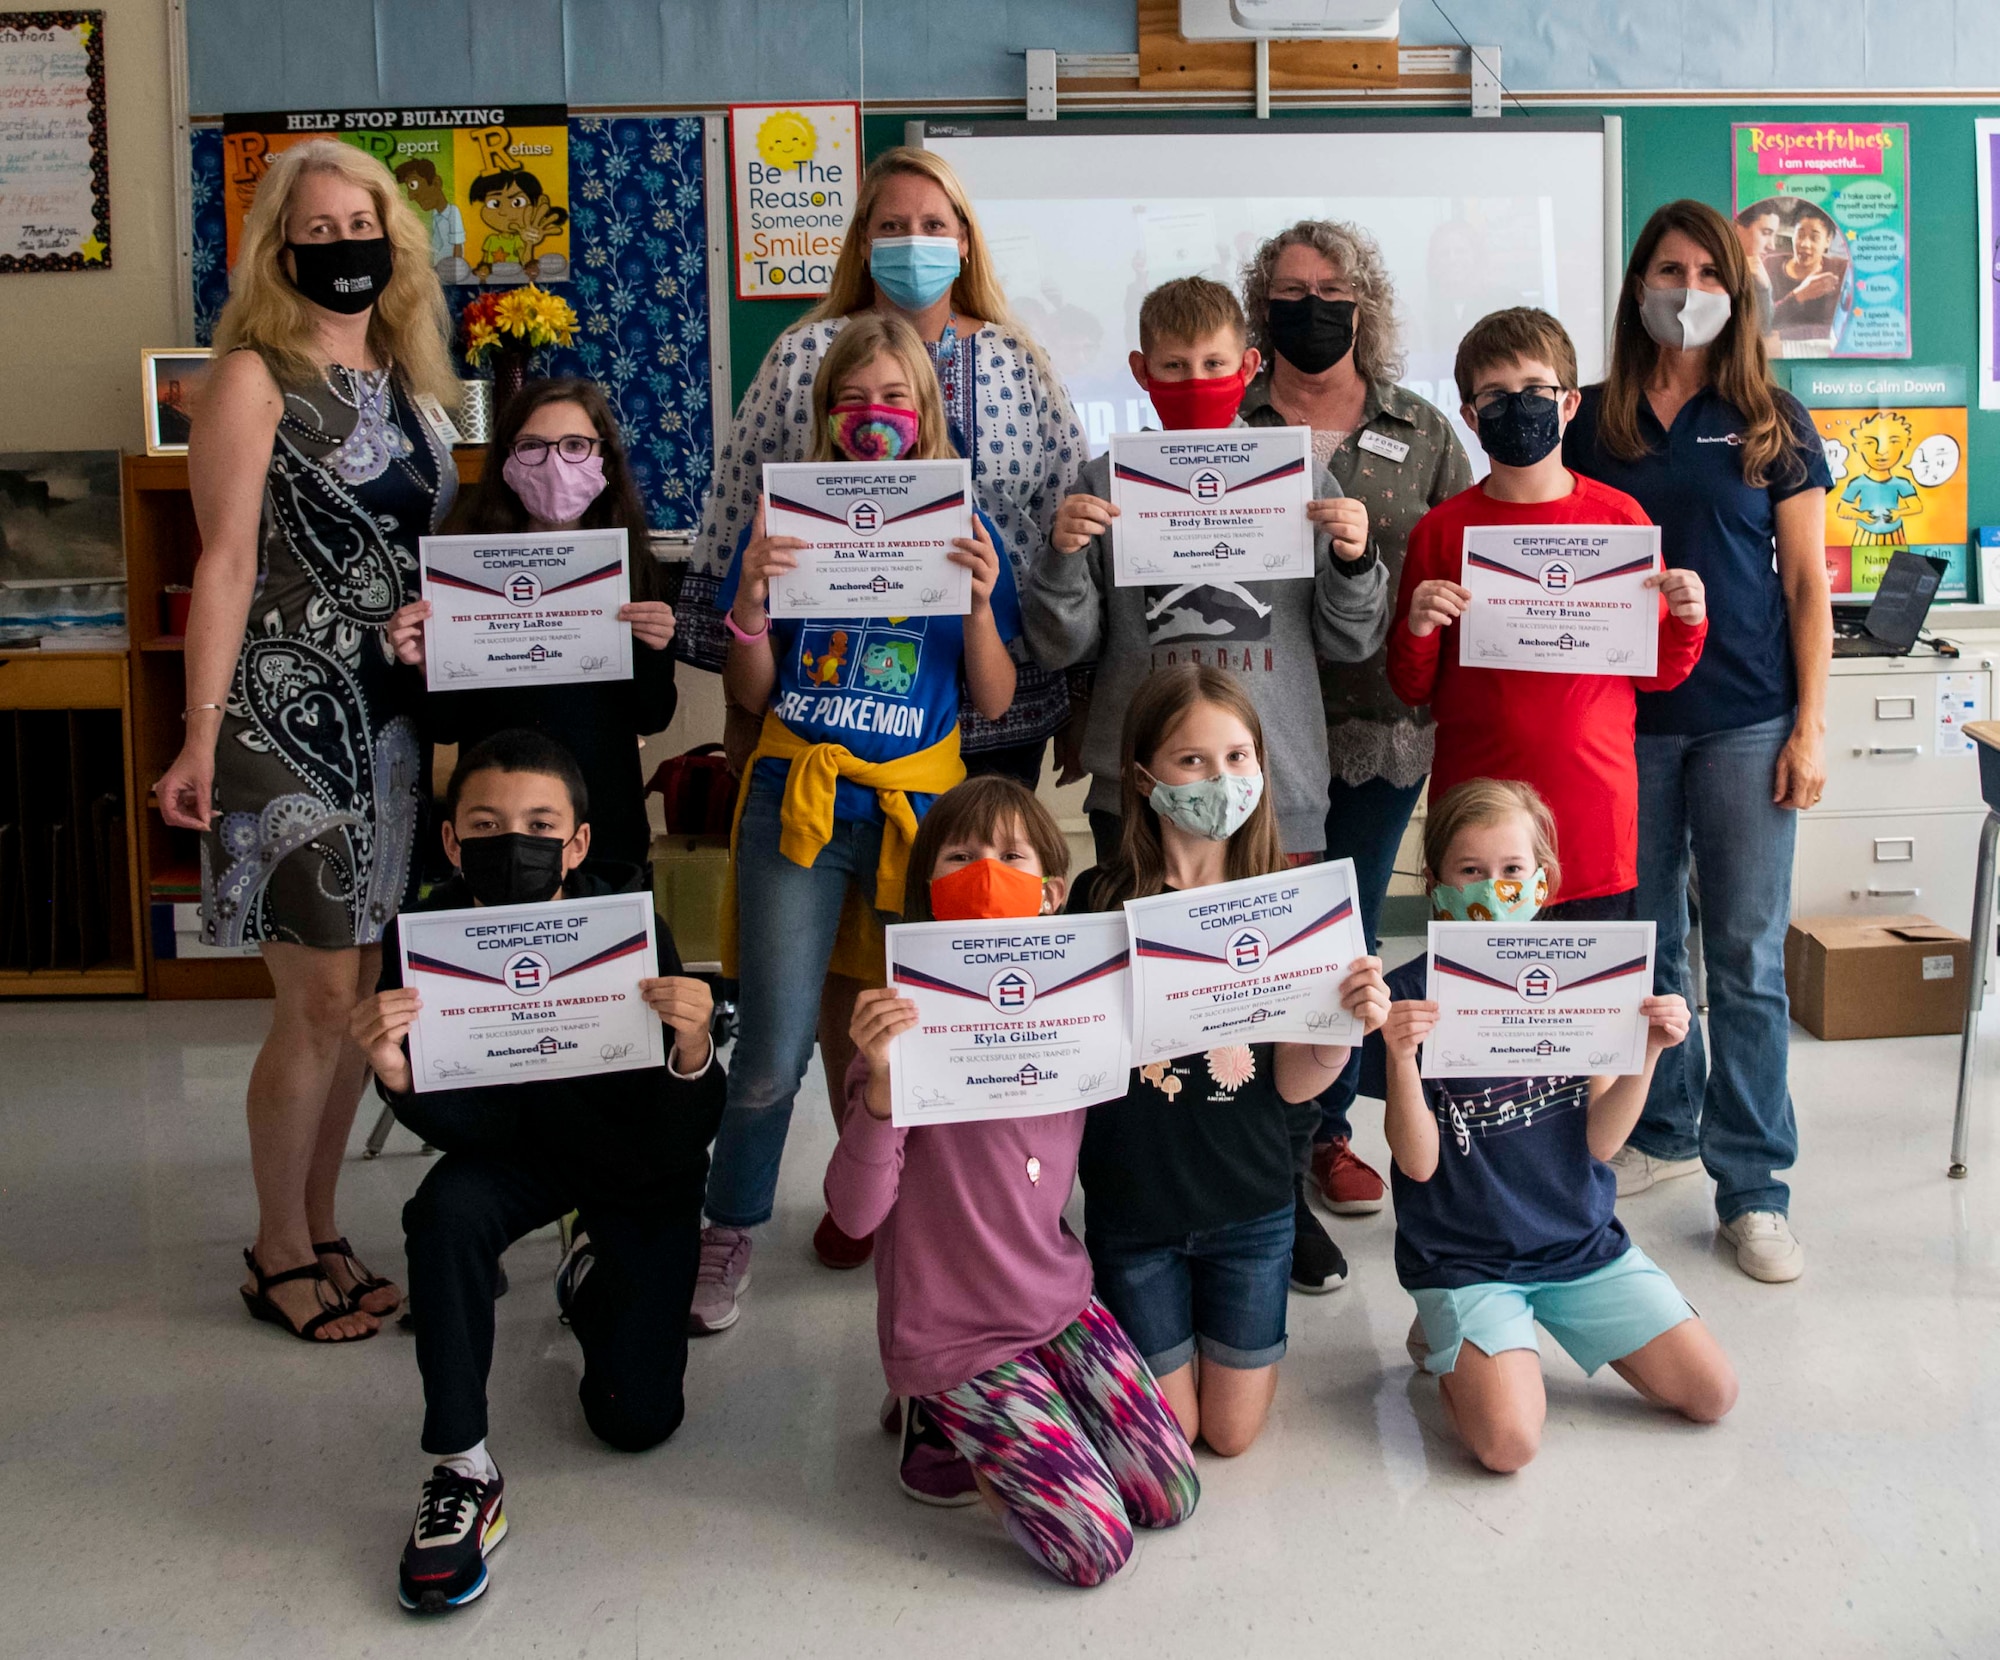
{"x":723,"y":1277}
{"x":929,"y":1468}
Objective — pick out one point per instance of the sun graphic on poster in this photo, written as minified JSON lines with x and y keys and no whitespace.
{"x":786,"y":139}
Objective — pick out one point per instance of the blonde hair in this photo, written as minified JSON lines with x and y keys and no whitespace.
{"x":1162,"y":701}
{"x":409,"y":328}
{"x":1187,"y":310}
{"x":1378,"y":351}
{"x":867,"y":337}
{"x":1479,"y":802}
{"x":978,"y":810}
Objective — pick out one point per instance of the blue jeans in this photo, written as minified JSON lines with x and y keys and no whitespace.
{"x":1222,"y":1291}
{"x":1711,"y":795}
{"x":787,"y":917}
{"x":1365,"y":823}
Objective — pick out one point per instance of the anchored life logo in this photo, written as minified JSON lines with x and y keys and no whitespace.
{"x":526,"y":973}
{"x":547,"y":1046}
{"x":1208,"y":485}
{"x":864,"y":518}
{"x":1558,"y":576}
{"x":1537,"y":983}
{"x":1248,"y":950}
{"x":522,"y":587}
{"x":1011,"y":990}
{"x":1029,"y":1075}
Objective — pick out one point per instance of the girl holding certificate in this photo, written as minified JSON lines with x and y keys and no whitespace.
{"x":1189,"y":1180}
{"x":1016,"y":1384}
{"x":860,"y":734}
{"x":557,"y":462}
{"x":1503,"y":1199}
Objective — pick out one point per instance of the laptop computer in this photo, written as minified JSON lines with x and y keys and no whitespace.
{"x":1895,"y":617}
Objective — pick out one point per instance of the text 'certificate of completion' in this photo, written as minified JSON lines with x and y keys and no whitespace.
{"x":1538,"y":999}
{"x":515,"y":992}
{"x":1561,"y":599}
{"x":1256,"y":961}
{"x":877,"y":535}
{"x":1227,"y":505}
{"x":536,"y":609}
{"x":1018,"y":1017}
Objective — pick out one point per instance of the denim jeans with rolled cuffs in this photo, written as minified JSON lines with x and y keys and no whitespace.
{"x":787,"y":918}
{"x":1726,"y":1100}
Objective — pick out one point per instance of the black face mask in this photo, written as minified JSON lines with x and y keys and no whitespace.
{"x":345,"y":276}
{"x":1521,"y":429}
{"x":1309,"y":333}
{"x":512,"y":869}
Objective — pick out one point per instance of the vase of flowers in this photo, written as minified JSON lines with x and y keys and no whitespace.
{"x":503,"y":328}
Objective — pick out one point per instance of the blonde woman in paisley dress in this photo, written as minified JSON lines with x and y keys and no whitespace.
{"x":313,"y":474}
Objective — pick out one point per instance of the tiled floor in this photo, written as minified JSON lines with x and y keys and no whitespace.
{"x":175,"y":1481}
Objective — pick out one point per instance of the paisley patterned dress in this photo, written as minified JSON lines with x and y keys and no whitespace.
{"x":316,"y":764}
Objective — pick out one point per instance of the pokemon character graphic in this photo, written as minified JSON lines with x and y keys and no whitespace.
{"x":786,"y":139}
{"x":824,"y":668}
{"x":889,"y":666}
{"x":518,"y":217}
{"x":1882,"y":497}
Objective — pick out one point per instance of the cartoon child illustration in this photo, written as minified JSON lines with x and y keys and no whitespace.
{"x":419,"y":178}
{"x":518,"y":216}
{"x":1883,"y":496}
{"x":824,"y":670}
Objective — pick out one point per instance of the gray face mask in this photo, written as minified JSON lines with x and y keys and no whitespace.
{"x":1211,"y":808}
{"x":1683,"y":317}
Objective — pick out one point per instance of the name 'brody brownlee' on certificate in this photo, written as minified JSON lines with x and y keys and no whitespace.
{"x":878,"y":537}
{"x":1227,"y":505}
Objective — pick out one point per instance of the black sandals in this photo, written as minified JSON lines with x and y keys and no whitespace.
{"x":261,"y":1306}
{"x":365,"y":1282}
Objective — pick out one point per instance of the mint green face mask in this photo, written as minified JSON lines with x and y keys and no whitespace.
{"x":1496,"y":899}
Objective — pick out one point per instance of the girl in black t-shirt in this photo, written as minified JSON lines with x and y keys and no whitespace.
{"x":1188,"y":1179}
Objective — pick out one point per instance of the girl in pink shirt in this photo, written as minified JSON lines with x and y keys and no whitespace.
{"x":1014,"y":1378}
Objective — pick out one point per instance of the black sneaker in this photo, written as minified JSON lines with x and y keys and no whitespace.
{"x":1317,"y":1265}
{"x":571,"y":1272}
{"x":444,"y":1563}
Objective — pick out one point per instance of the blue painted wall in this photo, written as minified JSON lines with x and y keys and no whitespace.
{"x":301,"y":54}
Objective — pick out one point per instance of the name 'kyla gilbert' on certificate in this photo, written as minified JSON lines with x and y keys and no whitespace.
{"x":538,"y":608}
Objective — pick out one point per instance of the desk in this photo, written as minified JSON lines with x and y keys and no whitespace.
{"x":1986,"y":736}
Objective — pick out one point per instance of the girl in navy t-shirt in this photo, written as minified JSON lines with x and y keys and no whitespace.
{"x":1503,"y":1200}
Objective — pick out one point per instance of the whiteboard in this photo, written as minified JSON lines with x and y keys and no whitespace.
{"x":1085,"y":217}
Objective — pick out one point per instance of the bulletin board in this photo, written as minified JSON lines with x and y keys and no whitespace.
{"x":55,"y":174}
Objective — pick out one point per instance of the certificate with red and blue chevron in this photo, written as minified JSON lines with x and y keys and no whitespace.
{"x":1561,"y":599}
{"x":1255,"y":961}
{"x":517,"y":992}
{"x":536,"y":609}
{"x":1538,"y":999}
{"x":1016,"y":1018}
{"x":876,"y":537}
{"x":1227,"y":505}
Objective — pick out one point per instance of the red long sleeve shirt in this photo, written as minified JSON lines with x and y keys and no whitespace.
{"x":1569,"y":735}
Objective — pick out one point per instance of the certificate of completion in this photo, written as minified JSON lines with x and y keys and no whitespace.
{"x":514,"y":992}
{"x":876,"y":534}
{"x":1256,"y":961}
{"x":1017,"y":1017}
{"x":1561,"y":599}
{"x":535,"y":609}
{"x":1538,"y":999}
{"x":1227,"y":505}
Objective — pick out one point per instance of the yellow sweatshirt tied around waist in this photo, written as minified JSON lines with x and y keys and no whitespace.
{"x":805,"y":817}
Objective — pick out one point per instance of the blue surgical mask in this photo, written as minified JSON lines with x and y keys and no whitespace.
{"x":1211,"y":808}
{"x":914,"y":271}
{"x":1496,"y":899}
{"x":1521,"y":429}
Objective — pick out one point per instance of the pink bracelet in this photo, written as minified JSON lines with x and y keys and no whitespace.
{"x":729,"y":622}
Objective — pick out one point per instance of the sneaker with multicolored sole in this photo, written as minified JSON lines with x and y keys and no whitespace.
{"x":444,"y":1563}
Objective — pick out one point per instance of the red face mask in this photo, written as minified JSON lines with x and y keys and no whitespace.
{"x":1190,"y":405}
{"x":984,"y":890}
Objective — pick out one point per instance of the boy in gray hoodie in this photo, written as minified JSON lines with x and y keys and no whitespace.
{"x":1194,"y":364}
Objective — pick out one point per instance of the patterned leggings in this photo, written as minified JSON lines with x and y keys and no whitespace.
{"x":1076,"y":1438}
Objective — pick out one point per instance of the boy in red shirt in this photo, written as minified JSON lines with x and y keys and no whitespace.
{"x":1569,"y":735}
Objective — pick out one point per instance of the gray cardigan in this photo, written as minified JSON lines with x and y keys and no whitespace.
{"x":1271,"y":635}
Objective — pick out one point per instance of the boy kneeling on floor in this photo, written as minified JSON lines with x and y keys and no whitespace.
{"x":627,"y":1149}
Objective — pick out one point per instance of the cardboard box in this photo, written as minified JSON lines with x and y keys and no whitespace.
{"x":688,"y":875}
{"x":1876,"y":976}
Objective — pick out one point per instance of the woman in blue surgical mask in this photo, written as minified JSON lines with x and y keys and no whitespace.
{"x":1690,"y":423}
{"x":915,"y":252}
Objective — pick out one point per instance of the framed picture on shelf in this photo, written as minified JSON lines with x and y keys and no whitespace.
{"x":168,"y":379}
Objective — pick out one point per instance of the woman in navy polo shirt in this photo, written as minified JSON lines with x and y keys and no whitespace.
{"x":1690,"y":423}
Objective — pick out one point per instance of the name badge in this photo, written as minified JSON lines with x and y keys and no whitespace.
{"x":437,"y":420}
{"x":1390,"y":449}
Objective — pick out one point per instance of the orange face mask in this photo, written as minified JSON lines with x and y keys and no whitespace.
{"x":983,"y":890}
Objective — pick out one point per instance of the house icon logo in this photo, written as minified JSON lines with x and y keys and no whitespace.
{"x":864,"y":518}
{"x":525,"y":973}
{"x":538,"y":653}
{"x":1011,"y":990}
{"x":1248,"y":950}
{"x":1567,"y":641}
{"x":1030,"y":1075}
{"x":1537,"y":983}
{"x":522,"y":588}
{"x":1556,"y":577}
{"x":1208,"y":485}
{"x":878,"y":584}
{"x":1545,"y":1048}
{"x":546,"y":1047}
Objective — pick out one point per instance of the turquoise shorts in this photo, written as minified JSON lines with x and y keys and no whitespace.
{"x":1601,"y":1317}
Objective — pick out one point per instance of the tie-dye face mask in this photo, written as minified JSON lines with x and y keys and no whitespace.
{"x":872,"y":431}
{"x":1497,"y":899}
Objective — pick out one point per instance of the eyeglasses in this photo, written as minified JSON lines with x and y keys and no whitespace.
{"x":532,"y":452}
{"x":1332,"y":289}
{"x":1491,"y":402}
